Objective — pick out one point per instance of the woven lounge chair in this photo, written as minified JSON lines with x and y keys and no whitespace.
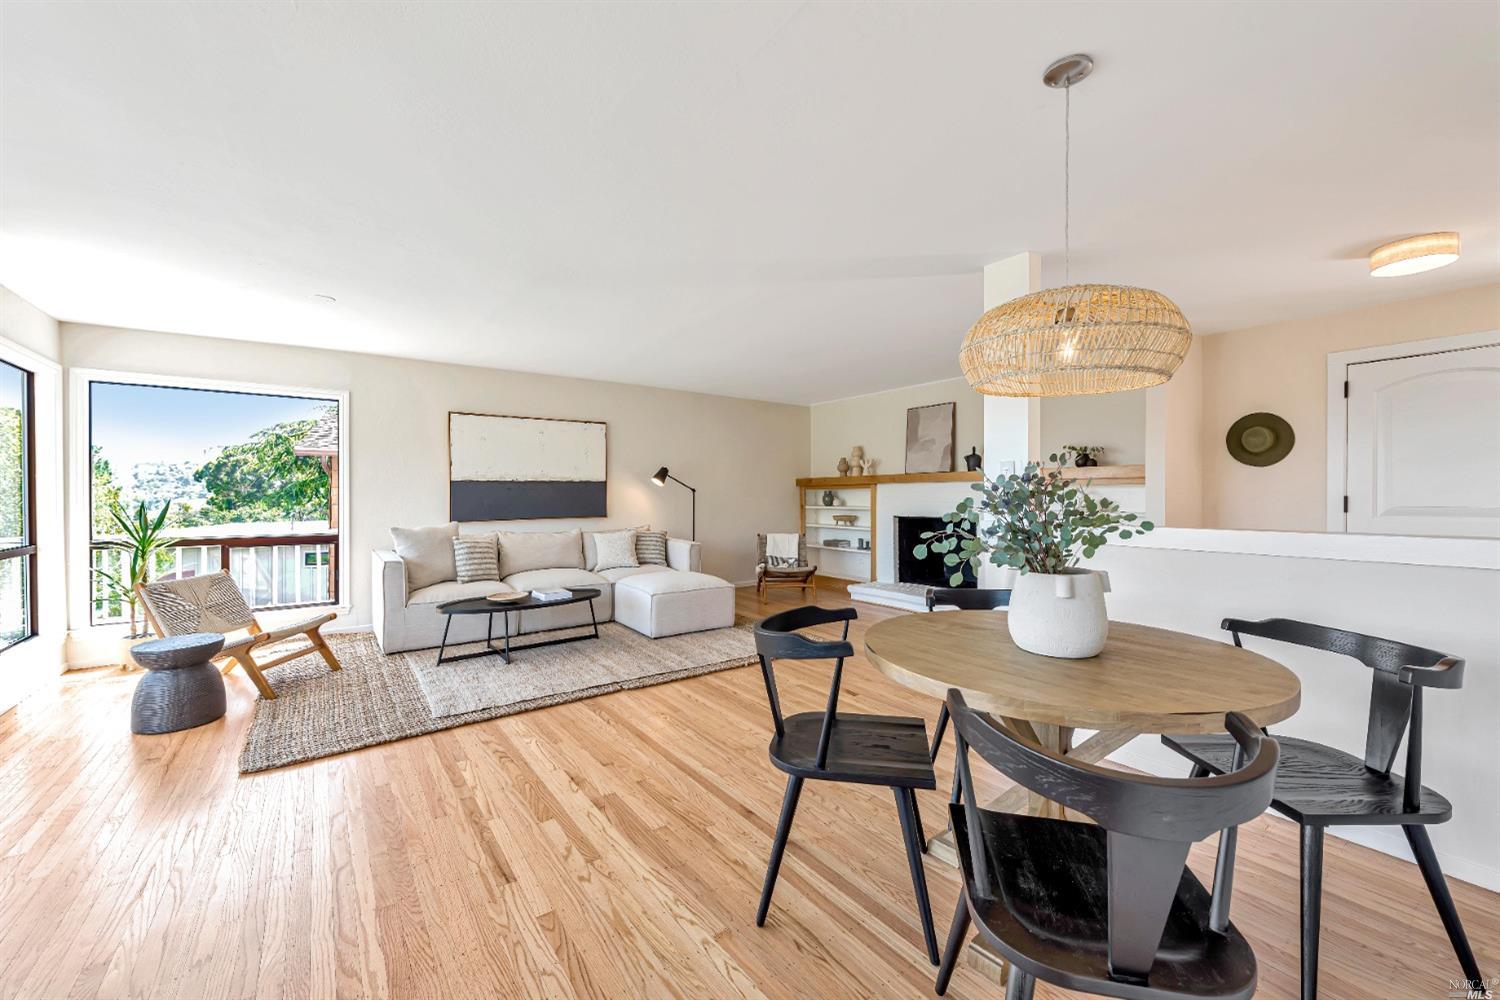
{"x":213,"y":603}
{"x":799,"y":576}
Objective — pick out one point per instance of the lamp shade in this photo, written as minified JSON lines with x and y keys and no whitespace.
{"x":660,"y":479}
{"x":1077,"y":340}
{"x":1413,"y":255}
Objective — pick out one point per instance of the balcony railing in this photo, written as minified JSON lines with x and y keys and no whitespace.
{"x":272,"y":571}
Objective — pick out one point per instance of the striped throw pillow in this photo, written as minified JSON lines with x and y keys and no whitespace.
{"x":651,"y":548}
{"x":476,"y":557}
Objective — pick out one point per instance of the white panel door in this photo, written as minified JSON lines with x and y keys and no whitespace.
{"x":1424,"y":445}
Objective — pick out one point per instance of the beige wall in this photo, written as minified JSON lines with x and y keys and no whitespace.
{"x":1282,"y":369}
{"x":1174,"y":445}
{"x":878,"y":423}
{"x":741,"y":455}
{"x":1114,"y":421}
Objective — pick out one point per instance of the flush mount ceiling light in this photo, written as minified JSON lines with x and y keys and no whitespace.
{"x":1079,"y":339}
{"x":1413,"y":255}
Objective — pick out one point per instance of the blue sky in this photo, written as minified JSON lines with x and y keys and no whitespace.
{"x":138,"y":423}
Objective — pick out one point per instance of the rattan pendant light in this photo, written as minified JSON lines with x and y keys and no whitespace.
{"x":1079,"y":339}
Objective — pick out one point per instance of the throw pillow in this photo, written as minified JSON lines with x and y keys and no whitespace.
{"x":427,"y":553}
{"x":591,"y":552}
{"x":616,"y":549}
{"x":476,"y":557}
{"x":651,"y":548}
{"x":524,"y":550}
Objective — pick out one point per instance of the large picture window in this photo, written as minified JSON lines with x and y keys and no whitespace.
{"x":17,"y":507}
{"x":225,"y":480}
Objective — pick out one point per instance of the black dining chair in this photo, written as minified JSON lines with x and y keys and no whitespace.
{"x":834,"y":746}
{"x":1321,"y":787}
{"x":1109,"y":909}
{"x":964,"y":599}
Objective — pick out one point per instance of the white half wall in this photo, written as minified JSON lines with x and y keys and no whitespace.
{"x":1442,"y":607}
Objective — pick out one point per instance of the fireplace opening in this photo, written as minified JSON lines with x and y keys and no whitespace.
{"x":931,"y":571}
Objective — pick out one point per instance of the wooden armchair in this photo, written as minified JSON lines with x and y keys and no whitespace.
{"x":800,"y":576}
{"x":213,"y":603}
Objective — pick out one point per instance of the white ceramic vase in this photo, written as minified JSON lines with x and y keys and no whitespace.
{"x":1059,"y":614}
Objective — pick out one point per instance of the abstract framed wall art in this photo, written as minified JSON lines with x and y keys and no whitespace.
{"x":503,"y":468}
{"x":929,"y":437}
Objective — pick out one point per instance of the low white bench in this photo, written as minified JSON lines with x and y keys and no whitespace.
{"x":662,"y":604}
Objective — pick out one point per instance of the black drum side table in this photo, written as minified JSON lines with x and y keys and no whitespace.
{"x":182,"y":688}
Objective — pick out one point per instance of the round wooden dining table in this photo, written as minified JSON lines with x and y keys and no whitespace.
{"x":1147,"y":680}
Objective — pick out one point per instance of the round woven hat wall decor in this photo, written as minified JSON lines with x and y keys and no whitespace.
{"x":1260,"y":439}
{"x":1076,"y":341}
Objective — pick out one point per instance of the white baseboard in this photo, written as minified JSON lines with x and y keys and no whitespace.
{"x":1147,"y":754}
{"x":347,"y":629}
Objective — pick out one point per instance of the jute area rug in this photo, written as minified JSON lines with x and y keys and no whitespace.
{"x":377,"y":698}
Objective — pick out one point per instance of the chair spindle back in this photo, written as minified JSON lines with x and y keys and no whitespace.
{"x":777,"y":638}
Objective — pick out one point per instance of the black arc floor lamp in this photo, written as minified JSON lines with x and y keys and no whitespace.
{"x":660,"y":479}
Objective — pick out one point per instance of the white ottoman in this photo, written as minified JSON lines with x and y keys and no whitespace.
{"x":661,"y":604}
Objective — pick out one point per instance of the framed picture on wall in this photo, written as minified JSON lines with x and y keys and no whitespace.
{"x":504,"y":468}
{"x":929,"y":437}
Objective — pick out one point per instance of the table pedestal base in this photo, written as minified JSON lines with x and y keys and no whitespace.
{"x":1058,"y":739}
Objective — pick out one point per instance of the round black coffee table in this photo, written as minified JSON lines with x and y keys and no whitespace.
{"x":485,"y":606}
{"x":182,"y":687}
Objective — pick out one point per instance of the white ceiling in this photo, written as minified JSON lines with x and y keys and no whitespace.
{"x":779,"y":201}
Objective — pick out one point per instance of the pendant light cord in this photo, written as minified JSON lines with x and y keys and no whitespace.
{"x":1067,"y":184}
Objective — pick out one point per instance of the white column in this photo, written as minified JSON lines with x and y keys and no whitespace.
{"x":1012,"y":426}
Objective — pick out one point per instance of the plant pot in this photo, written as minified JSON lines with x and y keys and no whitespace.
{"x":129,"y":642}
{"x":1059,"y":614}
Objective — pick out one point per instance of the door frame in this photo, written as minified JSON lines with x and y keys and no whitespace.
{"x":1338,"y":403}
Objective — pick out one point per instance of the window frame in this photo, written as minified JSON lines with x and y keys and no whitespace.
{"x":80,"y":478}
{"x":28,"y":549}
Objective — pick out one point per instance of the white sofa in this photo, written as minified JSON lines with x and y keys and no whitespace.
{"x":682,"y":600}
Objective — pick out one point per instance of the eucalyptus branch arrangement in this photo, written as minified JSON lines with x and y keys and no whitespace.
{"x":1037,"y":521}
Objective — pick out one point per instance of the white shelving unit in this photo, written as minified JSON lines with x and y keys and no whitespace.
{"x":848,"y":561}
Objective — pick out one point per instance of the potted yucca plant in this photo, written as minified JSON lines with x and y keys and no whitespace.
{"x":142,"y":539}
{"x":1038,"y":524}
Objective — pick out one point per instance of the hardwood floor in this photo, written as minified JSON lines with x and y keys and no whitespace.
{"x":610,"y":847}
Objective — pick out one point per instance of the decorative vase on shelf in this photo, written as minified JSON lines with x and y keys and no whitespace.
{"x":828,"y":498}
{"x":1059,"y":614}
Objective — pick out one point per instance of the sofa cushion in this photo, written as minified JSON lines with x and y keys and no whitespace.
{"x":674,"y":583}
{"x":662,"y":604}
{"x":452,"y":590}
{"x":614,"y":550}
{"x":521,"y":551}
{"x":616,"y":575}
{"x":427,"y":553}
{"x":476,"y":557}
{"x":548,"y":579}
